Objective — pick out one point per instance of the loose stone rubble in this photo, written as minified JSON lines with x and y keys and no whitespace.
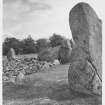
{"x":11,"y":54}
{"x":18,"y":67}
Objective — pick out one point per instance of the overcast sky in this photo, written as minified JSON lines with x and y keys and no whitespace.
{"x":40,"y":18}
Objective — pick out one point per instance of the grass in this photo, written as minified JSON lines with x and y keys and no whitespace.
{"x":45,"y":88}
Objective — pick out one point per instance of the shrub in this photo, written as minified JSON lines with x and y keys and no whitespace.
{"x":48,"y":54}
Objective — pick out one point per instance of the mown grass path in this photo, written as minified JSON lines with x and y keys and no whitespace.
{"x":45,"y":88}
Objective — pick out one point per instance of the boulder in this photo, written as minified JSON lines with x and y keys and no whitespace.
{"x":65,"y":52}
{"x":56,"y":62}
{"x":86,"y":56}
{"x":20,"y":78}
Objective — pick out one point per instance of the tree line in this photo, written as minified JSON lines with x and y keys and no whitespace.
{"x":29,"y":45}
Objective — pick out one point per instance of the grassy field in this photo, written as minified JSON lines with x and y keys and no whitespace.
{"x":45,"y":88}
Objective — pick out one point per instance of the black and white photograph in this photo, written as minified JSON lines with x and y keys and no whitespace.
{"x":52,"y":52}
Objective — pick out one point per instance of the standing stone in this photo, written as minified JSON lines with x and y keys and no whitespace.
{"x":56,"y":62}
{"x":11,"y":54}
{"x":20,"y":78}
{"x":65,"y":52}
{"x":86,"y":30}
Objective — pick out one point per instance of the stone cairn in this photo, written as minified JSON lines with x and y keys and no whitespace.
{"x":85,"y":71}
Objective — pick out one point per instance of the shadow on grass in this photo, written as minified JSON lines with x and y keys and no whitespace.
{"x":36,"y":89}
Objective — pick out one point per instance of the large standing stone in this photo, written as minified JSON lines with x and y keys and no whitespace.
{"x":65,"y":52}
{"x":11,"y":54}
{"x":87,"y":34}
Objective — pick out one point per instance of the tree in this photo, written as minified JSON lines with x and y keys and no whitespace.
{"x":42,"y":44}
{"x":56,"y":40}
{"x":11,"y":43}
{"x":64,"y":53}
{"x":28,"y":45}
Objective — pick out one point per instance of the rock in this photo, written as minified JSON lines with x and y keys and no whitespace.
{"x":72,"y":43}
{"x":27,"y":66}
{"x":56,"y":62}
{"x":11,"y":54}
{"x":12,"y":79}
{"x":97,"y":86}
{"x":86,"y":31}
{"x":65,"y":52}
{"x":20,"y":78}
{"x":45,"y":66}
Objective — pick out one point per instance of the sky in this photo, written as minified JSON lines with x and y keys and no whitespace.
{"x":40,"y":18}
